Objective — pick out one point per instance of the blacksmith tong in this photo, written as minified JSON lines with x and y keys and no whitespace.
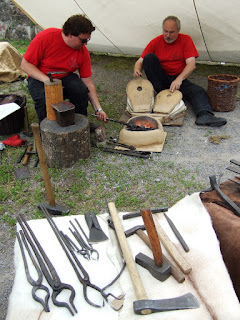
{"x":83,"y":276}
{"x":36,"y":284}
{"x":48,"y":268}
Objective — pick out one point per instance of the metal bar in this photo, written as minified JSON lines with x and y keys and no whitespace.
{"x":177,"y":233}
{"x":140,"y":154}
{"x":138,"y":214}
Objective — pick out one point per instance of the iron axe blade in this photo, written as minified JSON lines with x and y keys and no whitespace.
{"x":187,"y":301}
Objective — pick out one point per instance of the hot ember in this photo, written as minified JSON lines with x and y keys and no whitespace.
{"x":142,"y":123}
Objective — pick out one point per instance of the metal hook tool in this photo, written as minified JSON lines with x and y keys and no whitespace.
{"x":36,"y":284}
{"x":48,"y":268}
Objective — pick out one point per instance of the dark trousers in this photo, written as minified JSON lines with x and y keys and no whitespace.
{"x":73,"y":89}
{"x":160,"y":81}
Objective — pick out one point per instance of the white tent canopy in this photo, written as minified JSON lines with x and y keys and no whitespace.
{"x":126,"y":27}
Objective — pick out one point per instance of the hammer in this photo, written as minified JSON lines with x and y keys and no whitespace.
{"x":143,"y":305}
{"x":52,"y":207}
{"x":159,"y":268}
{"x":169,"y":246}
{"x":176,"y":273}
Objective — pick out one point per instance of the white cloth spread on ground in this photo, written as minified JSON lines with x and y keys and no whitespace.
{"x":208,"y":281}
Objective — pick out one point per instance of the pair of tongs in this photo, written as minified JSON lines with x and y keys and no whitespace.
{"x":48,"y":268}
{"x":113,"y":141}
{"x":36,"y":284}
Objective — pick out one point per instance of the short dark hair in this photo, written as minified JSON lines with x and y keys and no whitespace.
{"x":175,"y":19}
{"x":77,"y":24}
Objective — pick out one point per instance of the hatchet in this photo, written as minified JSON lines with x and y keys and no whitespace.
{"x":143,"y":305}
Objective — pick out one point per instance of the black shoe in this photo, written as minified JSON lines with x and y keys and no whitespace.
{"x":210,"y":121}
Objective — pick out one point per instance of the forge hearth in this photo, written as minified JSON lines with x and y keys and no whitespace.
{"x":142,"y":123}
{"x":149,"y":132}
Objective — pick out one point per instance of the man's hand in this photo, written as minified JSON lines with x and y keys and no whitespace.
{"x":175,"y":85}
{"x":189,"y":68}
{"x":101,"y":115}
{"x":137,"y":73}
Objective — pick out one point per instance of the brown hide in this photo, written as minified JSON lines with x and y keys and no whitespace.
{"x":227,"y":227}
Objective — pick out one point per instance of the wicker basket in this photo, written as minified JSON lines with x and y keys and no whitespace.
{"x":14,"y":122}
{"x":222,"y":91}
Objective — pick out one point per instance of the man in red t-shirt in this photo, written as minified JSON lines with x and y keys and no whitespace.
{"x":168,"y":60}
{"x":63,"y":51}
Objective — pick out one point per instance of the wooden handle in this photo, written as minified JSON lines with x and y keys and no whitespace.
{"x":153,"y":236}
{"x":171,"y":249}
{"x":144,"y":237}
{"x":53,"y":95}
{"x":175,"y":271}
{"x":42,"y":161}
{"x":26,"y":157}
{"x":133,"y":271}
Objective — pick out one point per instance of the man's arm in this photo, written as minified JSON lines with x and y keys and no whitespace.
{"x":190,"y":67}
{"x":31,"y":70}
{"x":94,"y":99}
{"x":138,"y":68}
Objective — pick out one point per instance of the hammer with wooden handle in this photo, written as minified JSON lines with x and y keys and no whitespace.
{"x":51,"y":206}
{"x":175,"y":271}
{"x":158,"y":267}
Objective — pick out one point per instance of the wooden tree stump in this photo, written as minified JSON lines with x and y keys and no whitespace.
{"x":63,"y":146}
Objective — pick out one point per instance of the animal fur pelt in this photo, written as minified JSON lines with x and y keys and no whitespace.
{"x":208,"y":281}
{"x":226,"y":225}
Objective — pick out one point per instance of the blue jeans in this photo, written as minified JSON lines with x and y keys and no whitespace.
{"x":73,"y":89}
{"x":160,"y":81}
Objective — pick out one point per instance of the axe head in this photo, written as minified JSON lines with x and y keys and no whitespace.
{"x":187,"y":301}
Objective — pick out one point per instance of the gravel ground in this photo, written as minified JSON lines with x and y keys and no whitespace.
{"x":188,"y":146}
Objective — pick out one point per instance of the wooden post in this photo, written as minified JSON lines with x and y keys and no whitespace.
{"x":53,"y":95}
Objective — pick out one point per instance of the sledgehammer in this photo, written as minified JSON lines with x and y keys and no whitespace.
{"x":157,"y":266}
{"x":52,"y":207}
{"x":175,"y":271}
{"x":143,"y":305}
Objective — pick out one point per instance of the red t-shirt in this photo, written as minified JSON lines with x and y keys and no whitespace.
{"x":48,"y":52}
{"x":172,"y":55}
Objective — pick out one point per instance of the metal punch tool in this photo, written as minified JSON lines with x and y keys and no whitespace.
{"x":48,"y":269}
{"x":36,"y":284}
